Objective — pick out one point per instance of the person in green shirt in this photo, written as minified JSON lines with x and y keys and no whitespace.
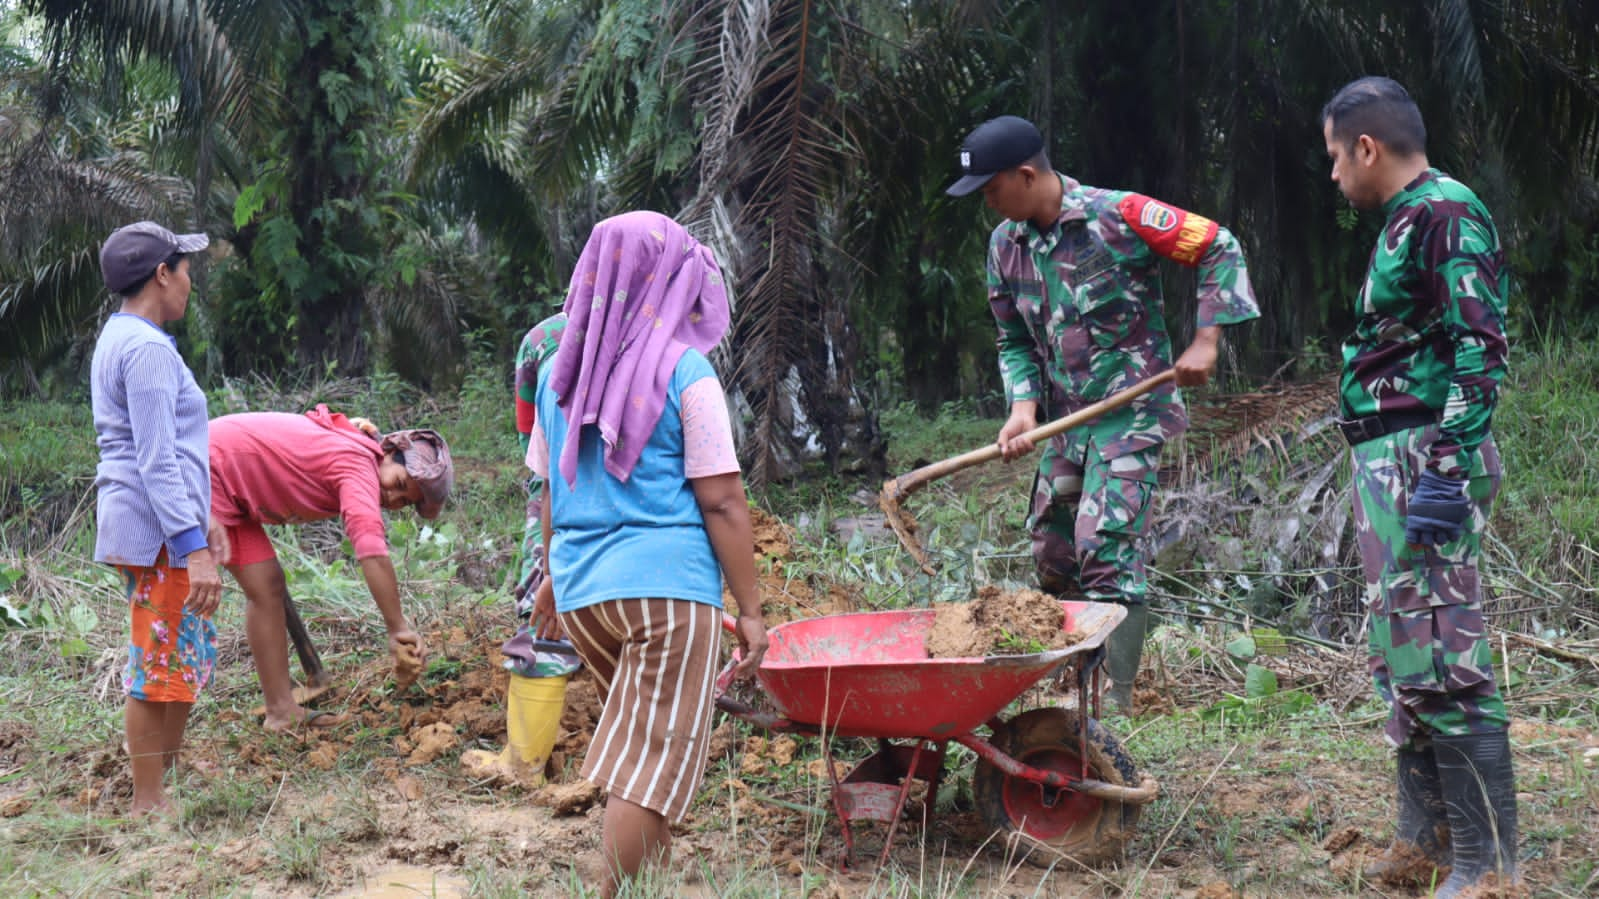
{"x":1420,"y":381}
{"x":1074,"y":285}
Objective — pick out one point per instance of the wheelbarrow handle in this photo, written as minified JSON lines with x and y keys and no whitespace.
{"x":724,"y":678}
{"x":745,"y":712}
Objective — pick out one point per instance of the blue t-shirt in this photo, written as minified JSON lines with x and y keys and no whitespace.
{"x":640,"y":539}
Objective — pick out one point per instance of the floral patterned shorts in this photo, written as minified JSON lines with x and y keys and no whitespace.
{"x":172,"y":651}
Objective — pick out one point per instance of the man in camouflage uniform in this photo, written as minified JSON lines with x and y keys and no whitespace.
{"x":538,"y":347}
{"x":1074,"y":284}
{"x":1420,"y":381}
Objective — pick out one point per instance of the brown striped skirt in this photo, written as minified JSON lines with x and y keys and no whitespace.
{"x":654,"y":662}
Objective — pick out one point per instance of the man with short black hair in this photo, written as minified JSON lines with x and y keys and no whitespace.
{"x":1420,"y":381}
{"x":1074,"y":284}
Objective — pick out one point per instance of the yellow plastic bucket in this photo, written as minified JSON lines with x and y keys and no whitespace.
{"x":533,"y":719}
{"x":532,"y":722}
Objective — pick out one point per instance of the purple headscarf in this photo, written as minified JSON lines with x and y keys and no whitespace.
{"x":643,"y":292}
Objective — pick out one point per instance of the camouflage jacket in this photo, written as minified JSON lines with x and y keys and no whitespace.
{"x":1079,"y":307}
{"x":1430,"y":328}
{"x":537,"y":347}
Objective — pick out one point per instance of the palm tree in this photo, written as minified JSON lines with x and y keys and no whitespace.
{"x":273,"y":116}
{"x":65,"y":182}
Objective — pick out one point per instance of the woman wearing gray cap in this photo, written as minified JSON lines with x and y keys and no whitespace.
{"x":153,"y":496}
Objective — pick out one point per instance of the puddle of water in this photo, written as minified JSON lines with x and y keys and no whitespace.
{"x":408,"y":882}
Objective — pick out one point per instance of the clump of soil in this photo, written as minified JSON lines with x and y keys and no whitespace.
{"x":773,"y":540}
{"x":1405,"y":865}
{"x":999,"y":622}
{"x":783,"y":596}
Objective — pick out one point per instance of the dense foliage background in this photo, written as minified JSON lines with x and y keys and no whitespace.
{"x":399,"y":188}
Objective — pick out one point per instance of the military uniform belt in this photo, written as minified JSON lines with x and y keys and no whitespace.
{"x":1370,"y":427}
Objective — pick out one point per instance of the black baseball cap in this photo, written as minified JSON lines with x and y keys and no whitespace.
{"x":994,"y":146}
{"x":133,"y":251}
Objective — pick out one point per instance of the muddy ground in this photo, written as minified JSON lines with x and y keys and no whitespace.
{"x":387,"y":800}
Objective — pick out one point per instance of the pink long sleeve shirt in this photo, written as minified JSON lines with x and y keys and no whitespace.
{"x":282,"y":468}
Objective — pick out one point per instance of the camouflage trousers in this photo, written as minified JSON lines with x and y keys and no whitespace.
{"x":1428,"y":652}
{"x":1086,"y":519}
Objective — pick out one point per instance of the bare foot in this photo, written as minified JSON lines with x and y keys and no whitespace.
{"x":142,"y":809}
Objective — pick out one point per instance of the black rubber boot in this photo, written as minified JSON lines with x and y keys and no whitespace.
{"x":1420,"y":852}
{"x":1123,"y":651}
{"x":1479,"y":789}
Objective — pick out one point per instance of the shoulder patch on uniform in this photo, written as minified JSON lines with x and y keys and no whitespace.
{"x":1175,"y":233}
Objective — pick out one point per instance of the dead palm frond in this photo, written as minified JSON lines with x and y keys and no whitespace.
{"x":1225,"y":429}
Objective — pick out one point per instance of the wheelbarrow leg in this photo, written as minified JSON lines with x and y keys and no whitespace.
{"x":878,"y":788}
{"x":899,"y":807}
{"x":838,"y":806}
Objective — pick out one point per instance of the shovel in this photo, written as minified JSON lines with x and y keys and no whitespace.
{"x":317,"y":681}
{"x":896,"y":489}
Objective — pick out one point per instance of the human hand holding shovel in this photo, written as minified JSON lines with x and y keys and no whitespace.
{"x":897,"y":489}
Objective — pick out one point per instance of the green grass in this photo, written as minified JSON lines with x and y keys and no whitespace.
{"x":1547,"y":428}
{"x":916,"y":439}
{"x":60,"y":675}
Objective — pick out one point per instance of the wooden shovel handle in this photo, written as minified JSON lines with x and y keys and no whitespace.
{"x":310,"y":660}
{"x":906,"y":483}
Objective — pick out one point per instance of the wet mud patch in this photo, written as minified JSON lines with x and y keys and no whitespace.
{"x":999,"y":622}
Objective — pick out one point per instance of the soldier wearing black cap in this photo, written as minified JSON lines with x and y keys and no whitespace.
{"x":1074,"y":284}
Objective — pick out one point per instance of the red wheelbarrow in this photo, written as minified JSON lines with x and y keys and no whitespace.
{"x":1054,"y":776}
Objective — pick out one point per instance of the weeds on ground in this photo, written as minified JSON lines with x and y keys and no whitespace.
{"x":1250,"y":721}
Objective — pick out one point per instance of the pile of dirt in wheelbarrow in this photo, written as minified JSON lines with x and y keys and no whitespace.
{"x":999,"y":622}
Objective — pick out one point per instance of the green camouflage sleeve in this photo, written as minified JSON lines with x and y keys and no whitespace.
{"x":1019,"y":364}
{"x":1464,"y":260}
{"x":537,"y":347}
{"x":526,"y":373}
{"x":1225,"y":295}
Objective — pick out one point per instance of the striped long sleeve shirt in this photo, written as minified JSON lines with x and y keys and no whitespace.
{"x":153,"y":482}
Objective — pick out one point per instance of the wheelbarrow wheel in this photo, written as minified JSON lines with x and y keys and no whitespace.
{"x":1085,"y":828}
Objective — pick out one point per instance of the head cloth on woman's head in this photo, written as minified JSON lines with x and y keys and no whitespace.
{"x":642,"y":292}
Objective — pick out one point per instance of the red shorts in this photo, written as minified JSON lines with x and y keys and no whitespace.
{"x":172,"y":651}
{"x":250,"y":544}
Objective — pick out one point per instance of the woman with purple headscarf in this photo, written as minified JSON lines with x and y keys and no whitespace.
{"x":646,"y":516}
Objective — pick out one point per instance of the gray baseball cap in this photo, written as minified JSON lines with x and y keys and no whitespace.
{"x":132,"y":252}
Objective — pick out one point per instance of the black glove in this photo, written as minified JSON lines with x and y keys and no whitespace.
{"x":1438,"y":510}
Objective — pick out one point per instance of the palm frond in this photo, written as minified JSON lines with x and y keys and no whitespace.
{"x":1225,"y":429}
{"x":56,"y":296}
{"x":216,"y":81}
{"x":790,"y":146}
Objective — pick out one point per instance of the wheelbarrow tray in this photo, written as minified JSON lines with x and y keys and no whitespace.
{"x":867,"y":674}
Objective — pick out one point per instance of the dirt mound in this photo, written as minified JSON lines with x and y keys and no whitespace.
{"x":785,"y":597}
{"x":456,"y":703}
{"x":773,"y":539}
{"x":999,"y":622}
